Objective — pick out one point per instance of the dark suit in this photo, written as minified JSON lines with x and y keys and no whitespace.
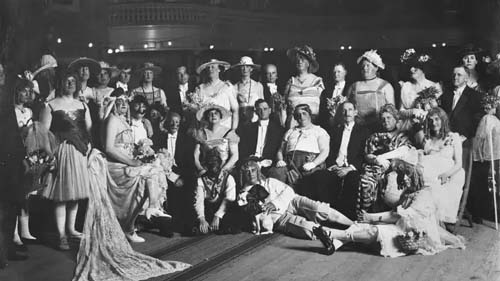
{"x":342,"y":193}
{"x":325,"y":120}
{"x":248,"y":140}
{"x":275,"y":115}
{"x":173,"y":96}
{"x":465,"y":117}
{"x":12,"y":153}
{"x":178,"y":198}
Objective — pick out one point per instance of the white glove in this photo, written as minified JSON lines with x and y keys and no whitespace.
{"x":265,"y":163}
{"x":281,"y":164}
{"x":309,"y":166}
{"x":383,"y":162}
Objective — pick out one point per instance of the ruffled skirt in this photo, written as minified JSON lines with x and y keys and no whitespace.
{"x":71,"y":181}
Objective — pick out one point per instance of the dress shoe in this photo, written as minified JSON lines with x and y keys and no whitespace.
{"x":75,"y":235}
{"x":134,"y":238}
{"x":325,"y":239}
{"x":29,"y":241}
{"x":63,"y":244}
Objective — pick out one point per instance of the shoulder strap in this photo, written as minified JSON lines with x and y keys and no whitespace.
{"x":51,"y":108}
{"x":382,"y":85}
{"x":227,"y":133}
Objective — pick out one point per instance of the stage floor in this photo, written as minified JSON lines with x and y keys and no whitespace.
{"x":277,"y":257}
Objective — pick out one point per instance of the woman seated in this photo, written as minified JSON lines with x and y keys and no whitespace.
{"x":381,"y":148}
{"x":136,"y":182}
{"x":442,"y":164}
{"x":217,"y":136}
{"x":141,"y":127}
{"x":414,"y":220}
{"x":214,"y":192}
{"x":303,"y":151}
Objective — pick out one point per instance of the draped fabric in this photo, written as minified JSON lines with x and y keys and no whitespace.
{"x":105,"y":253}
{"x":486,"y":145}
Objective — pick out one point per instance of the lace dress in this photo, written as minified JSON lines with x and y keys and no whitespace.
{"x":104,"y":252}
{"x":438,"y":159}
{"x":417,"y":213}
{"x":306,"y":92}
{"x":221,"y":93}
{"x":71,"y":181}
{"x":128,"y":192}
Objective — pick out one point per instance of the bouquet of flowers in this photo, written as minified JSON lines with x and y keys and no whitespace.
{"x":427,"y":98}
{"x":36,"y":165}
{"x":278,"y":102}
{"x":144,"y":151}
{"x":194,"y":101}
{"x":411,"y":241}
{"x":333,"y":103}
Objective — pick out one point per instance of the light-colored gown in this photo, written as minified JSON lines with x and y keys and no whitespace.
{"x":438,"y":159}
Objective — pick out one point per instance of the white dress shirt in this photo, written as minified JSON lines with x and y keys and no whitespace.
{"x":261,"y":137}
{"x":171,"y":142}
{"x":346,"y":136}
{"x":124,"y":86}
{"x":339,"y":87}
{"x":138,"y":130}
{"x":457,"y":93}
{"x":183,"y":89}
{"x":273,"y":88}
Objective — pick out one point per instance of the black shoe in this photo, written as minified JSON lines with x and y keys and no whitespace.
{"x":17,"y":257}
{"x":325,"y":239}
{"x":29,"y":241}
{"x":450,"y":227}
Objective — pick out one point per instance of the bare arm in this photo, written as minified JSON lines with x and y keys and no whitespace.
{"x":88,"y":120}
{"x":46,"y":117}
{"x":197,"y":157}
{"x":233,"y":157}
{"x":233,"y":103}
{"x":324,"y":150}
{"x":114,"y":153}
{"x":384,"y":217}
{"x":389,"y":94}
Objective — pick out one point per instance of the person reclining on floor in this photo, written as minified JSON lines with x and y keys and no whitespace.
{"x":292,"y":214}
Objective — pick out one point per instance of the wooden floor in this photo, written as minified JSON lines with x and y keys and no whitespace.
{"x":277,"y":257}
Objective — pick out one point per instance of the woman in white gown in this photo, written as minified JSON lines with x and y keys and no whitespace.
{"x":442,"y":164}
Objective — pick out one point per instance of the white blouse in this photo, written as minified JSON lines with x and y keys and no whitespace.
{"x":306,"y":140}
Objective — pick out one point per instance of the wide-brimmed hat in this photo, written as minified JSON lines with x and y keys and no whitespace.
{"x":246,"y":61}
{"x":373,"y":57}
{"x":46,"y":62}
{"x":411,"y":58}
{"x":149,"y":66}
{"x":93,"y":65}
{"x":469,"y":49}
{"x":223,"y":64}
{"x":207,"y":107}
{"x":306,"y":52}
{"x":113,"y":71}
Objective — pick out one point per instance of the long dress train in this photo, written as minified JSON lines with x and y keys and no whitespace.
{"x":105,"y":253}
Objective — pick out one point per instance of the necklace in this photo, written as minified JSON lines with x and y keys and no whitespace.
{"x":216,"y":89}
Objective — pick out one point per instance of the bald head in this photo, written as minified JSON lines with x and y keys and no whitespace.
{"x":271,"y":73}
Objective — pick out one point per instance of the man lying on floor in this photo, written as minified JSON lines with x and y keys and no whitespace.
{"x":292,"y":214}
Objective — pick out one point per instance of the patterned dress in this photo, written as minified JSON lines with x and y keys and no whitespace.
{"x":372,"y":180}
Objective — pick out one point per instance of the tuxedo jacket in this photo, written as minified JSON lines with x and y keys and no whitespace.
{"x":184,"y":147}
{"x":355,"y":148}
{"x":325,"y":120}
{"x":465,"y":117}
{"x":248,"y":140}
{"x":174,"y":98}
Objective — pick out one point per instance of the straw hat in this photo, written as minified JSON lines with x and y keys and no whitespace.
{"x":246,"y":61}
{"x":93,"y":65}
{"x":149,"y":66}
{"x":207,"y":107}
{"x":225,"y":65}
{"x":113,"y":71}
{"x":46,"y":62}
{"x":306,"y":52}
{"x":373,"y":57}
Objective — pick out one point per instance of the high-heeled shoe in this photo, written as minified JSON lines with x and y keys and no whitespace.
{"x":325,"y":239}
{"x":134,"y":238}
{"x":63,"y":244}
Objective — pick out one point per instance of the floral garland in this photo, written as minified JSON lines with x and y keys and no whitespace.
{"x":411,"y":55}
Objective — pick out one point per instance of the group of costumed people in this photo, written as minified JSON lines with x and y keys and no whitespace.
{"x":344,"y":155}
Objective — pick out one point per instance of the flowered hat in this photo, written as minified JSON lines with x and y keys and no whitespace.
{"x":47,"y":61}
{"x":93,"y":65}
{"x":373,"y":57}
{"x":223,"y":64}
{"x":149,"y":66}
{"x":306,"y":52}
{"x":207,"y":107}
{"x":246,"y":61}
{"x":113,"y":71}
{"x":413,"y":59}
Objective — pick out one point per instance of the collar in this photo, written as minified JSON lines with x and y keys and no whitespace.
{"x":264,"y":122}
{"x":184,"y":86}
{"x":349,"y":125}
{"x":340,"y":84}
{"x":460,"y":90}
{"x":174,"y":135}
